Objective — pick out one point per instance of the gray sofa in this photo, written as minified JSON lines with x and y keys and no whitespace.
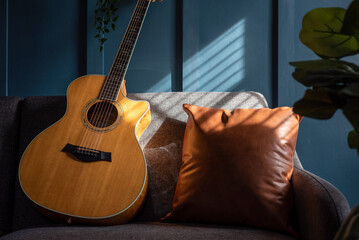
{"x":319,"y":208}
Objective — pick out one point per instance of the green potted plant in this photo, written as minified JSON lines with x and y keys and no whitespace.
{"x":332,"y":33}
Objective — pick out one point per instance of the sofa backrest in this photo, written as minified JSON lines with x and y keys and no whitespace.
{"x":10,"y":111}
{"x":161,"y":143}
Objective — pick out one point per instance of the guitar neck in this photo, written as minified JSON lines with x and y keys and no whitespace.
{"x":117,"y":73}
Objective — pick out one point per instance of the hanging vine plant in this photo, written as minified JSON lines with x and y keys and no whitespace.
{"x":105,"y":18}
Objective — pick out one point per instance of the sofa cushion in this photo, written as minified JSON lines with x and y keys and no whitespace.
{"x":163,"y":167}
{"x":236,"y":167}
{"x":146,"y":231}
{"x":10,"y":109}
{"x":320,"y":208}
{"x":168,"y":126}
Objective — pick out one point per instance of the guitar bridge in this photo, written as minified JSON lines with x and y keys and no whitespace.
{"x":87,"y":154}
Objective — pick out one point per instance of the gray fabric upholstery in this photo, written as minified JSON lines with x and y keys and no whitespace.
{"x":9,"y":129}
{"x":147,"y":231}
{"x":319,"y":207}
{"x":163,"y":169}
{"x":166,"y":106}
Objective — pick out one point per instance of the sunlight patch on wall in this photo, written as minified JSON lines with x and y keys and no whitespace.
{"x":220,"y":65}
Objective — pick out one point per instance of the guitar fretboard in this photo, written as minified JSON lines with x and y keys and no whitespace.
{"x":117,"y":73}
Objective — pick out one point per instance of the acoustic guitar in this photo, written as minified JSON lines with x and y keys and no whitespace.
{"x":88,"y":167}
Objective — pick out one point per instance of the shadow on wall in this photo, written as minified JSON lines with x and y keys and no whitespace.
{"x":218,"y":67}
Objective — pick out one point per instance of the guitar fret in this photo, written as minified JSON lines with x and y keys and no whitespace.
{"x":118,"y":70}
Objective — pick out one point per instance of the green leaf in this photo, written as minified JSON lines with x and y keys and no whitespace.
{"x":315,"y":104}
{"x":112,"y":6}
{"x":103,"y":40}
{"x":351,"y":111}
{"x":351,"y":20}
{"x":326,"y":64}
{"x":321,"y":32}
{"x":353,"y":139}
{"x":352,"y":90}
{"x":325,"y":72}
{"x":104,"y":16}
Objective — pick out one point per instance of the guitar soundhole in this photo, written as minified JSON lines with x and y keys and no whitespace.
{"x":102,"y":114}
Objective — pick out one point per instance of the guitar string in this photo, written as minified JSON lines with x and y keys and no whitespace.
{"x":138,"y":14}
{"x":109,"y":90}
{"x":112,"y":86}
{"x":116,"y":83}
{"x":130,"y":45}
{"x":107,"y":95}
{"x":85,"y":142}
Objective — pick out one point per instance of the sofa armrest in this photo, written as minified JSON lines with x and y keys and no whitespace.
{"x":319,"y":207}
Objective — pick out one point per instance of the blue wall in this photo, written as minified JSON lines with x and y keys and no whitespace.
{"x":3,"y":48}
{"x":226,"y":46}
{"x":185,"y":45}
{"x":45,"y":41}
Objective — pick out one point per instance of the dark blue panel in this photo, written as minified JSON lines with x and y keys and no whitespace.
{"x":46,"y":49}
{"x":153,"y":62}
{"x":95,"y":58}
{"x":3,"y":48}
{"x":322,"y":145}
{"x":227,"y":46}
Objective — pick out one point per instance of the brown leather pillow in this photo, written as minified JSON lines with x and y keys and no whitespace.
{"x":236,"y":167}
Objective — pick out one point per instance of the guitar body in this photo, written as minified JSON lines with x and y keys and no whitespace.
{"x":86,"y":170}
